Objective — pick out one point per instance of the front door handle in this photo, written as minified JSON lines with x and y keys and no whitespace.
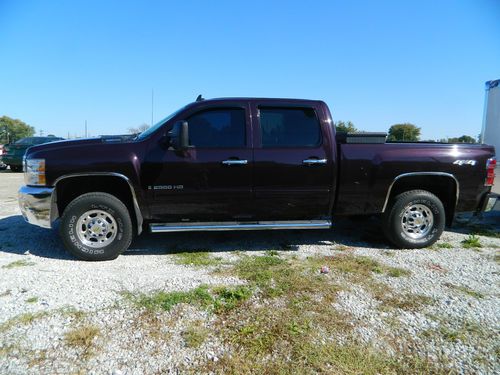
{"x":234,"y":162}
{"x":313,"y":161}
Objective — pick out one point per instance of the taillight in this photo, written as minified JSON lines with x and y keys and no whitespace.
{"x":490,"y":172}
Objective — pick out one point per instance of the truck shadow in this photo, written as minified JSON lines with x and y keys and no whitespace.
{"x":18,"y":237}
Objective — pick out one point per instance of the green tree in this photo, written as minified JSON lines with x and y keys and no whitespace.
{"x":404,"y":132}
{"x":347,"y":127}
{"x":12,"y":130}
{"x":462,"y":139}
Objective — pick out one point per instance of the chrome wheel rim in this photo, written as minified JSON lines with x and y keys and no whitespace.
{"x":96,"y":228}
{"x":417,"y":221}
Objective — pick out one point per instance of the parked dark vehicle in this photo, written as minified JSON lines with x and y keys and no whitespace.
{"x":14,"y":152}
{"x":246,"y":163}
{"x":2,"y":164}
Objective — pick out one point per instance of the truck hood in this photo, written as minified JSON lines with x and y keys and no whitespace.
{"x":113,"y":139}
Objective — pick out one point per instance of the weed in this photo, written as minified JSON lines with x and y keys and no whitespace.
{"x":82,"y":338}
{"x":32,"y":300}
{"x":397,"y":272}
{"x":272,"y":253}
{"x":220,"y":299}
{"x":197,"y":259}
{"x":444,"y":245}
{"x":22,"y":319}
{"x":407,"y":302}
{"x":229,"y":298}
{"x":167,"y":300}
{"x":472,"y":241}
{"x":19,"y":263}
{"x":195,"y":335}
{"x":465,"y":290}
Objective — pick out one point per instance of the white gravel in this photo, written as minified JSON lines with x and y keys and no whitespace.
{"x":58,"y":282}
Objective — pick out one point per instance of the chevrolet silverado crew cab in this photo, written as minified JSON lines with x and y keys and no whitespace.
{"x":248,"y":163}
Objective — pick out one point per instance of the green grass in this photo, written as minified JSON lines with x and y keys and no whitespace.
{"x":197,"y":259}
{"x":32,"y":300}
{"x":289,"y":331}
{"x":18,"y":263}
{"x":195,"y":335}
{"x":471,"y":242}
{"x":218,"y":299}
{"x":22,"y":319}
{"x":397,"y":272}
{"x":465,"y":290}
{"x":444,"y":245}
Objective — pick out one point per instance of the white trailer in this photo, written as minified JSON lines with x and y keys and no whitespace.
{"x":490,"y":133}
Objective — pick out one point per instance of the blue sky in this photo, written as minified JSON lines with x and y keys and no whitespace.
{"x":375,"y":63}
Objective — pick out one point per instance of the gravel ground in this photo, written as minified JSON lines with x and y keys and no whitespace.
{"x":61,"y":293}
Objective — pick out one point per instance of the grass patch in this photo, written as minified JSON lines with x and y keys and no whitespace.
{"x":471,"y":242}
{"x":397,"y":272}
{"x":465,"y":290}
{"x":197,"y":259}
{"x":167,"y":300}
{"x":218,"y":299}
{"x":18,"y":263}
{"x":444,"y":245}
{"x":464,"y":331}
{"x":407,"y":302}
{"x":22,"y":319}
{"x":32,"y":300}
{"x":195,"y":335}
{"x":82,"y":338}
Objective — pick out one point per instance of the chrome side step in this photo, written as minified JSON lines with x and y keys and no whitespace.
{"x":234,"y":225}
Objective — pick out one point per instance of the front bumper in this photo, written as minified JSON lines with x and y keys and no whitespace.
{"x":492,"y":202}
{"x":37,"y":205}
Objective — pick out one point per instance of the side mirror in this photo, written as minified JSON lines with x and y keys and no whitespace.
{"x":179,"y":136}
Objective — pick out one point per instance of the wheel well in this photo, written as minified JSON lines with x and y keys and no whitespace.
{"x":72,"y":187}
{"x":444,"y":187}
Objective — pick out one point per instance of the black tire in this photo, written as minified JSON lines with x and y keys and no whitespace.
{"x":400,"y":226}
{"x":115,"y":220}
{"x":16,"y":168}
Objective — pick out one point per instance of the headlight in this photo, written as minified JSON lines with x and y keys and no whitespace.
{"x":34,"y":172}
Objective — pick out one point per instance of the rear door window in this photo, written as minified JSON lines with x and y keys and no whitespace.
{"x":289,"y":127}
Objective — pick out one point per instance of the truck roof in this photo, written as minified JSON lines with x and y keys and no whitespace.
{"x":252,"y":99}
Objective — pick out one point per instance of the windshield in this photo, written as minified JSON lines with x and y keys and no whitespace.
{"x":158,"y":125}
{"x":25,"y":141}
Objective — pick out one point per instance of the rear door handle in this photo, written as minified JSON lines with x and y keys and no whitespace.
{"x":234,"y":162}
{"x":313,"y":161}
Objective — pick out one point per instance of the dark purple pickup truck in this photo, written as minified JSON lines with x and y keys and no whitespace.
{"x":247,"y":163}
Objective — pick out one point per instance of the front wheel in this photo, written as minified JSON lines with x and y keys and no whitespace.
{"x":96,"y":226}
{"x":414,"y":220}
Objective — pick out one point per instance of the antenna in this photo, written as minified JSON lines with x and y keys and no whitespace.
{"x":152,"y":105}
{"x":85,"y":128}
{"x":200,"y":98}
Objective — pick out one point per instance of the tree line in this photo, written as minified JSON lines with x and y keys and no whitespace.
{"x":405,"y":132}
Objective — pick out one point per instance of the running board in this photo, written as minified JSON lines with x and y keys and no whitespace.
{"x":233,"y":225}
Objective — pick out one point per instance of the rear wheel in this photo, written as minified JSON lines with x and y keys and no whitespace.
{"x":415,"y":219}
{"x":96,"y":226}
{"x":16,"y":168}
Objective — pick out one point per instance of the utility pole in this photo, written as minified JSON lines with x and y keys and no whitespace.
{"x":85,"y":128}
